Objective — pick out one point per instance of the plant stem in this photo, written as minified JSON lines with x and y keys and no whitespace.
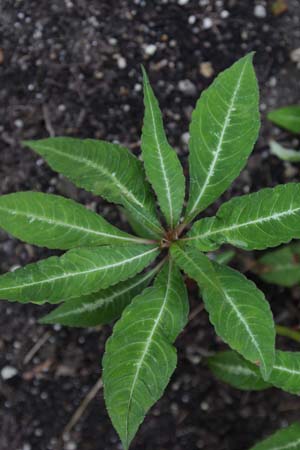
{"x":288,"y":332}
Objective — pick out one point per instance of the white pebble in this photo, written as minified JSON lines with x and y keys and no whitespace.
{"x":183,"y":2}
{"x":192,"y":20}
{"x":207,"y":23}
{"x":224,"y":14}
{"x":150,"y":49}
{"x":260,"y":11}
{"x":122,"y":63}
{"x":8,"y":372}
{"x":185,"y":137}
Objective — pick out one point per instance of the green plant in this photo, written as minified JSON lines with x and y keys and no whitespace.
{"x":97,"y":279}
{"x":284,"y":439}
{"x":289,"y":119}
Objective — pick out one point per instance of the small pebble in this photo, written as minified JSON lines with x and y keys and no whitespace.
{"x":183,"y":2}
{"x":206,"y":69}
{"x":187,"y":87}
{"x":8,"y":372}
{"x":260,"y":11}
{"x":192,"y":20}
{"x":122,"y":63}
{"x":150,"y":49}
{"x":207,"y":23}
{"x":295,"y":55}
{"x":224,"y":14}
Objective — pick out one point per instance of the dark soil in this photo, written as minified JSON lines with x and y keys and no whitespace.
{"x":72,"y":67}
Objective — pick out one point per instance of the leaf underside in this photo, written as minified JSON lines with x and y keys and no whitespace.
{"x":237,"y":308}
{"x":140,"y":357}
{"x":286,"y":154}
{"x":223,"y":131}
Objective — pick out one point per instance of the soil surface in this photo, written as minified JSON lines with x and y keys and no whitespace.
{"x":72,"y":67}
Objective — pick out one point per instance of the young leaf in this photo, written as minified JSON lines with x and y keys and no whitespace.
{"x":100,"y":307}
{"x":284,"y":439}
{"x":231,"y":368}
{"x":286,"y":372}
{"x":256,"y":221}
{"x":287,"y":117}
{"x":223,"y":131}
{"x":56,"y":222}
{"x":77,"y":272}
{"x":286,"y":154}
{"x":237,"y":308}
{"x":105,"y":169}
{"x":281,"y":266}
{"x":162,"y":165}
{"x":140,"y":357}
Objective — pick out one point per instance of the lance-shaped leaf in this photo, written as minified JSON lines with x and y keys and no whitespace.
{"x":281,"y":266}
{"x":237,"y":308}
{"x":256,"y":221}
{"x":287,"y":117}
{"x":286,"y":372}
{"x":77,"y":272}
{"x":286,"y":154}
{"x":284,"y":439}
{"x":231,"y":368}
{"x":56,"y":222}
{"x":105,"y":169}
{"x":99,"y":307}
{"x":162,"y":165}
{"x":223,"y":131}
{"x":140,"y":357}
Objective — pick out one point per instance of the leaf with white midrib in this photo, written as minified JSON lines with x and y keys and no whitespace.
{"x":100,"y":307}
{"x":105,"y":169}
{"x":284,"y":439}
{"x":231,"y":368}
{"x":237,"y":308}
{"x":162,"y":165}
{"x":79,"y":271}
{"x":56,"y":222}
{"x":140,"y":358}
{"x":223,"y":131}
{"x":264,"y":219}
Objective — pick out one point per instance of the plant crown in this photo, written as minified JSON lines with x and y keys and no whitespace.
{"x":101,"y":275}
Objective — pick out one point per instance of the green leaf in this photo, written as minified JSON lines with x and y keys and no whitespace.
{"x":237,"y":308}
{"x":56,"y":222}
{"x":224,"y":257}
{"x":256,"y":221}
{"x":287,"y":117}
{"x":231,"y":368}
{"x":137,"y":226}
{"x":77,"y":272}
{"x":286,"y":154}
{"x":140,"y":357}
{"x":100,"y":307}
{"x":286,"y":372}
{"x":105,"y":169}
{"x":281,"y":266}
{"x":162,"y":165}
{"x":284,"y":439}
{"x":223,"y":131}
